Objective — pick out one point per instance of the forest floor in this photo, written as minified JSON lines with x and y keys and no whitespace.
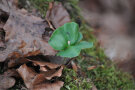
{"x":91,"y":70}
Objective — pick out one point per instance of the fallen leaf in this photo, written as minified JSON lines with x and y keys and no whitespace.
{"x":40,"y":83}
{"x":15,"y":62}
{"x":38,"y":79}
{"x":27,"y":75}
{"x":6,"y":82}
{"x":57,"y":14}
{"x":74,"y":66}
{"x":11,"y":72}
{"x":44,"y":64}
{"x":49,"y":86}
{"x":24,"y":35}
{"x":91,"y":67}
{"x":31,"y":78}
{"x":53,"y":73}
{"x":49,"y":70}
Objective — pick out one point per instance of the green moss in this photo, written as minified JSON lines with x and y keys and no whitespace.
{"x":41,"y":5}
{"x":73,"y":82}
{"x":106,"y":75}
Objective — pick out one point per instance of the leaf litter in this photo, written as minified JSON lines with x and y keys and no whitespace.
{"x":22,"y":35}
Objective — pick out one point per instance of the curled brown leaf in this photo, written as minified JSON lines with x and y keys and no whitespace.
{"x":57,"y":14}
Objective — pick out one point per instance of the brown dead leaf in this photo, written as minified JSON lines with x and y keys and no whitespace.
{"x":49,"y":86}
{"x":53,"y":73}
{"x":40,"y":83}
{"x":44,"y":64}
{"x":11,"y":72}
{"x":33,"y":80}
{"x":91,"y":67}
{"x":39,"y":78}
{"x":27,"y":75}
{"x":57,"y":14}
{"x":74,"y":66}
{"x":15,"y":62}
{"x":55,"y":70}
{"x":24,"y":35}
{"x":6,"y":82}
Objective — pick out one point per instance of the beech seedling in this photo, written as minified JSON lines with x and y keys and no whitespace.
{"x":68,"y":40}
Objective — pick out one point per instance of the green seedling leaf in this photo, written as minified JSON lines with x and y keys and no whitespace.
{"x":67,"y":39}
{"x":58,"y":40}
{"x":80,"y":37}
{"x":71,"y":51}
{"x":72,"y":31}
{"x":84,"y":45}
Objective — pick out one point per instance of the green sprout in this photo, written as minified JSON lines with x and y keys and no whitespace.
{"x":67,"y":39}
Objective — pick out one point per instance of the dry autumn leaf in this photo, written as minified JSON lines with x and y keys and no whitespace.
{"x":91,"y":67}
{"x":32,"y":78}
{"x":24,"y":35}
{"x":53,"y":73}
{"x":44,"y":64}
{"x":49,"y":86}
{"x":6,"y":82}
{"x":57,"y":14}
{"x":27,"y":75}
{"x":74,"y":66}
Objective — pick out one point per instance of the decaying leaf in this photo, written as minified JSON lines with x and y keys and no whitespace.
{"x":52,"y":73}
{"x":11,"y":72}
{"x":6,"y":82}
{"x":44,"y":64}
{"x":58,"y":15}
{"x":15,"y":62}
{"x":74,"y":66}
{"x":40,"y":83}
{"x":24,"y":35}
{"x":32,"y":78}
{"x":49,"y":86}
{"x":27,"y":75}
{"x":91,"y":67}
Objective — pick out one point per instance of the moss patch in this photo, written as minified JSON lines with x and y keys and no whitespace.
{"x":74,"y":82}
